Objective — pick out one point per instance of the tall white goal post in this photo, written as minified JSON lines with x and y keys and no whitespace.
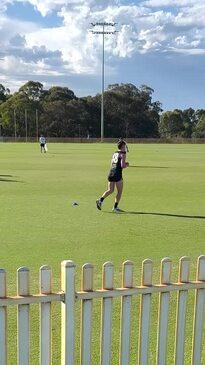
{"x":68,"y":297}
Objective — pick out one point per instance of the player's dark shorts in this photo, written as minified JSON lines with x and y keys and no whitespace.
{"x":114,"y":178}
{"x":42,"y":145}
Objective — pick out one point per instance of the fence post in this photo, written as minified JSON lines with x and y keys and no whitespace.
{"x":127,"y":282}
{"x":68,"y":313}
{"x":199,"y":314}
{"x":145,"y":308}
{"x":106,"y":314}
{"x":45,"y":316}
{"x":86,"y":315}
{"x":184,"y":271}
{"x":3,"y":319}
{"x":163,"y":312}
{"x":23,"y":317}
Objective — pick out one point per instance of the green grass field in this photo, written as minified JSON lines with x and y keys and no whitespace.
{"x":164,"y":203}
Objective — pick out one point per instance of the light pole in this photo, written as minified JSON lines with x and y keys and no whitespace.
{"x":103,"y":28}
{"x":26,"y":124}
{"x":37,"y":125}
{"x":15,"y":125}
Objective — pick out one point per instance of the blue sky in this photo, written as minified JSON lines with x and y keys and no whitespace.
{"x":160,"y":43}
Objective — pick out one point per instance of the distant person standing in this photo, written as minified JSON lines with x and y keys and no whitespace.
{"x":42,"y":142}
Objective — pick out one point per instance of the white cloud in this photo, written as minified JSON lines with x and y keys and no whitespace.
{"x":171,"y":3}
{"x":189,"y":51}
{"x":141,"y":30}
{"x":10,"y":27}
{"x":11,"y":82}
{"x":149,"y":26}
{"x":184,"y":42}
{"x":191,"y":16}
{"x":21,"y":68}
{"x":47,"y":6}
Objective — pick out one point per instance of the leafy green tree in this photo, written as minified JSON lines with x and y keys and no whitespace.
{"x":32,"y":90}
{"x":189,"y":122}
{"x":4,"y":93}
{"x":130,"y":111}
{"x":171,"y":124}
{"x":93,"y":108}
{"x":199,"y":113}
{"x":200,"y":128}
{"x":19,"y":103}
{"x":55,"y":119}
{"x":58,"y":93}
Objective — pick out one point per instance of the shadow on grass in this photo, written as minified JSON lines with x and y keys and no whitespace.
{"x":161,"y":214}
{"x":6,"y":176}
{"x":165,"y":214}
{"x":3,"y":178}
{"x":150,"y":167}
{"x":59,"y":153}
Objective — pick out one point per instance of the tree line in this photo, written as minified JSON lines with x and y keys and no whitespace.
{"x":129,"y":111}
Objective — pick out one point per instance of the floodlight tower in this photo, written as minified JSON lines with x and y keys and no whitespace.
{"x":103,"y":28}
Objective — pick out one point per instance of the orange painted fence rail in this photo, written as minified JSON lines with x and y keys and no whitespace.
{"x":68,"y":297}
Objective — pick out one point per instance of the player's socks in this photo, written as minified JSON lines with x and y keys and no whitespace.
{"x":117,"y":210}
{"x":98,"y":204}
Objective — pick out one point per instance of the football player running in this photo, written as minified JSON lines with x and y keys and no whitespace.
{"x":118,"y":163}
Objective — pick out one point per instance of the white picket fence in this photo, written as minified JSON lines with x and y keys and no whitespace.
{"x":68,"y":297}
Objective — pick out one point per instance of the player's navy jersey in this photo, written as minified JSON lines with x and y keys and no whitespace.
{"x":115,"y":173}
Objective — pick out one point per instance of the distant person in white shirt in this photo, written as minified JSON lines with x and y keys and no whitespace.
{"x":42,"y":142}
